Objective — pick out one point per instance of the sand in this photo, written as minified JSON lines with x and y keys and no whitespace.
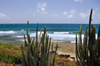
{"x":65,"y":48}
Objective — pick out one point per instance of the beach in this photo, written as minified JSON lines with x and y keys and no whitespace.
{"x":66,"y":48}
{"x":63,"y":47}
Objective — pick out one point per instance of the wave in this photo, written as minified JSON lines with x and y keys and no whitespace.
{"x":9,"y":32}
{"x":20,"y":36}
{"x":61,"y":32}
{"x":22,"y":30}
{"x":56,"y":36}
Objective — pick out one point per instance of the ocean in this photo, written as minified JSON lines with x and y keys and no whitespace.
{"x":13,"y":33}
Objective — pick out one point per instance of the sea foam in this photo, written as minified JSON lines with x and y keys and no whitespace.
{"x":8,"y":32}
{"x":3,"y":33}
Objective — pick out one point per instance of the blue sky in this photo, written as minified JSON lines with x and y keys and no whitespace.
{"x":49,"y":11}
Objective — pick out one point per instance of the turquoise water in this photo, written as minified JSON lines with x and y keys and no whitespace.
{"x":58,"y":32}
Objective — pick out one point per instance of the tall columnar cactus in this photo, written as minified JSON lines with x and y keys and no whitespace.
{"x":88,"y":53}
{"x":36,"y":53}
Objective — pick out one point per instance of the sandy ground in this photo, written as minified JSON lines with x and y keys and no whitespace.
{"x":65,"y":48}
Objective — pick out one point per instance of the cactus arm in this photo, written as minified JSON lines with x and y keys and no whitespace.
{"x":99,"y":31}
{"x":55,"y":54}
{"x":37,"y":36}
{"x":27,"y":29}
{"x":24,"y":59}
{"x":90,"y":18}
{"x":98,"y":47}
{"x":48,"y":63}
{"x":76,"y":46}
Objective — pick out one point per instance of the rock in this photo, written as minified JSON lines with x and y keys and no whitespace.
{"x":66,"y":56}
{"x":53,"y":52}
{"x":61,"y":55}
{"x":72,"y":57}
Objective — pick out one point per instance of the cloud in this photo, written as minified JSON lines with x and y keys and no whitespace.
{"x":65,"y":13}
{"x":3,"y":15}
{"x":51,"y":15}
{"x":42,"y":5}
{"x":72,"y":11}
{"x":41,"y":8}
{"x":55,"y":15}
{"x":97,"y":8}
{"x":70,"y":16}
{"x":83,"y":15}
{"x":33,"y":13}
{"x":78,"y":0}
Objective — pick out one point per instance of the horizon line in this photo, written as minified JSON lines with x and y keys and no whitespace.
{"x":48,"y":23}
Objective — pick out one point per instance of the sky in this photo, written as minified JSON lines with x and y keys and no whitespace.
{"x":49,"y":11}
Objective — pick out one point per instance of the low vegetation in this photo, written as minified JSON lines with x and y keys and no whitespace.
{"x":10,"y":53}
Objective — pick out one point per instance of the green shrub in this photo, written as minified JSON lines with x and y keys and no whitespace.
{"x":10,"y":57}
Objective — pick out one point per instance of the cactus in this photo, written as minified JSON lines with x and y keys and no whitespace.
{"x":88,"y":53}
{"x":37,"y":53}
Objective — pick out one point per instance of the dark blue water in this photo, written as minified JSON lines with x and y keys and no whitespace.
{"x":58,"y":32}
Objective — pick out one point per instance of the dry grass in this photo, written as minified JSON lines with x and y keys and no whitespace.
{"x":61,"y":60}
{"x":8,"y":64}
{"x":9,"y":49}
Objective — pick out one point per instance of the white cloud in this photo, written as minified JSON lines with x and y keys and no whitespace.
{"x":78,"y":0}
{"x":55,"y":15}
{"x":72,"y":11}
{"x":83,"y":15}
{"x":65,"y":13}
{"x":43,"y":10}
{"x":97,"y":8}
{"x":2,"y":15}
{"x":70,"y":16}
{"x":51,"y":15}
{"x":41,"y":7}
